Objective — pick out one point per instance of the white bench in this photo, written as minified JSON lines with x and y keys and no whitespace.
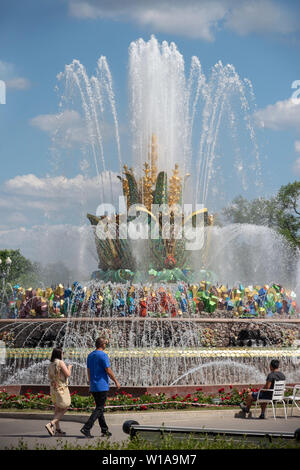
{"x":294,"y":398}
{"x":277,"y":396}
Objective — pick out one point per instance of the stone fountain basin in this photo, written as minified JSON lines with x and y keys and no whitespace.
{"x":70,"y":353}
{"x":157,"y":367}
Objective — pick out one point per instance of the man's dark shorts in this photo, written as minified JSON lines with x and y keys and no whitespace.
{"x":262,"y":395}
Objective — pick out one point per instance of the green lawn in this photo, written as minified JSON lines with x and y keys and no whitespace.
{"x":168,"y":442}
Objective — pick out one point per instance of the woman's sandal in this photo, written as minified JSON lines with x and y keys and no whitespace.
{"x":59,"y":432}
{"x":50,"y":428}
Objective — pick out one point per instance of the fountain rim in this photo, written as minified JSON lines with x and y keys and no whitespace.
{"x":146,"y":319}
{"x":215,"y":353}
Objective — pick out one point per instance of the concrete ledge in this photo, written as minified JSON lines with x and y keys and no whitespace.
{"x":43,"y":416}
{"x":119,"y":418}
{"x":181,"y":390}
{"x":155,"y":319}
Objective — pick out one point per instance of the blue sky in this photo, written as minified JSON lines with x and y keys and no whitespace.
{"x":261,"y":38}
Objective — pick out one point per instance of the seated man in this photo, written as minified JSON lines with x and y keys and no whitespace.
{"x":274,"y":375}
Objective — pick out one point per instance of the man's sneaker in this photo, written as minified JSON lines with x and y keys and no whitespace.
{"x":85,"y":432}
{"x":261,"y":416}
{"x":244,"y":408}
{"x":106,"y":434}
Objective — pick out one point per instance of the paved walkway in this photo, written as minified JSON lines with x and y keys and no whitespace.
{"x":32,"y":427}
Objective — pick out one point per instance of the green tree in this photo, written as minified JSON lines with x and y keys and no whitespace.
{"x":260,"y":211}
{"x":288,"y":212}
{"x":281,"y":212}
{"x":22,"y":270}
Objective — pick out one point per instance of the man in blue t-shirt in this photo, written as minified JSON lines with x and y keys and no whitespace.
{"x":273,"y":376}
{"x":99,"y":372}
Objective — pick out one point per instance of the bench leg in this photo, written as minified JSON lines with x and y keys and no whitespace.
{"x":285,"y":411}
{"x":255,"y":409}
{"x":274,"y":411}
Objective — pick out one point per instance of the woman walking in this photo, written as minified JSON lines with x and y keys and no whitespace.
{"x":58,"y":374}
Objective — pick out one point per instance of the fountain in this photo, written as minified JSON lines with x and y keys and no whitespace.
{"x":170,"y":116}
{"x":165,"y":347}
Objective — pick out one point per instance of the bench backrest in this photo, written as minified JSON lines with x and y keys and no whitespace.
{"x":296,"y":391}
{"x":278,"y":390}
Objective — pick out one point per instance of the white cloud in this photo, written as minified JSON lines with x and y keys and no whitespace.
{"x":261,"y":16}
{"x":18,"y":83}
{"x":296,"y":167}
{"x":10,"y":202}
{"x":281,"y":115}
{"x":46,"y":217}
{"x":60,"y":187}
{"x":86,"y":10}
{"x":6,"y":70}
{"x":297,"y":146}
{"x":50,"y":122}
{"x":57,"y":199}
{"x":8,"y":73}
{"x":17,"y":218}
{"x":69,"y":130}
{"x":68,"y":127}
{"x":195,"y":21}
{"x":194,"y":18}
